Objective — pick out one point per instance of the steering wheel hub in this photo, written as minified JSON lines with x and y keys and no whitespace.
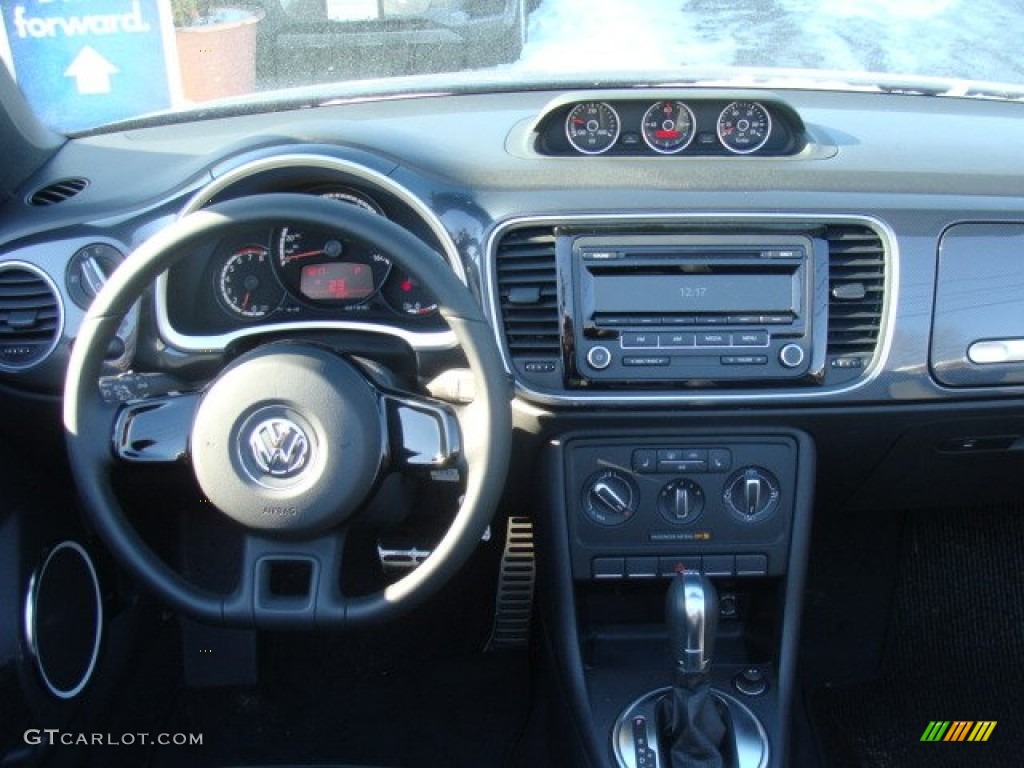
{"x":289,"y":438}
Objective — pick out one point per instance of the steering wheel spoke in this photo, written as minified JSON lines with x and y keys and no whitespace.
{"x":423,"y":433}
{"x":289,"y":583}
{"x":155,"y":430}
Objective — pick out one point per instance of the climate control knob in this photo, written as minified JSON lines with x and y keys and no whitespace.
{"x":752,"y":494}
{"x":609,"y":498}
{"x":681,"y":501}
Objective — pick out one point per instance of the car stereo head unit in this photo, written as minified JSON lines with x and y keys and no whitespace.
{"x":697,"y":308}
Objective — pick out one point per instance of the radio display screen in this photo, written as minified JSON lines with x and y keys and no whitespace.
{"x":763,"y":292}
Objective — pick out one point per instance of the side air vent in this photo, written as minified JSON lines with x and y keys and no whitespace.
{"x":30,"y":317}
{"x":856,"y":290}
{"x":528,"y":293}
{"x":57,"y":192}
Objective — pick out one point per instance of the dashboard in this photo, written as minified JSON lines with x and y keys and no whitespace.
{"x":471,"y":176}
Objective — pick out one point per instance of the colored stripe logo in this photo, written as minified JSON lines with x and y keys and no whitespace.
{"x":958,"y":730}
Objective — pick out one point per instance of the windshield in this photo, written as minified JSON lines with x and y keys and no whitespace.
{"x":83,"y":64}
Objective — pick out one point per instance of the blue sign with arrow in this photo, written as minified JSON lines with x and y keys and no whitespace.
{"x":83,"y":63}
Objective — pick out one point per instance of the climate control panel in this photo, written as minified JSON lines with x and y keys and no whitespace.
{"x":637,"y":503}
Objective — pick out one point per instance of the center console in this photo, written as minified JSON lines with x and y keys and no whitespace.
{"x":632,"y":514}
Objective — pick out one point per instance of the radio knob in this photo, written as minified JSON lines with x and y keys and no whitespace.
{"x":791,"y":355}
{"x":599,"y":357}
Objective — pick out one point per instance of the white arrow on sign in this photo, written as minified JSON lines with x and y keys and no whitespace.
{"x":91,"y":72}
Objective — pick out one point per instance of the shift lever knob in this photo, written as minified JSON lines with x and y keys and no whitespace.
{"x":691,"y":612}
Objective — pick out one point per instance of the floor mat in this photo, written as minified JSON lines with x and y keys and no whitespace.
{"x":955,"y":653}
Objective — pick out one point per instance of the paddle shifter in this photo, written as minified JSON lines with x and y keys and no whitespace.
{"x":692,"y":724}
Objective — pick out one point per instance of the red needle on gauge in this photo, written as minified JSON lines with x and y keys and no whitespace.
{"x":245,"y":302}
{"x":303,"y":255}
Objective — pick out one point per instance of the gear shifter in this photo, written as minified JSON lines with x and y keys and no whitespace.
{"x":692,"y":724}
{"x":691,"y":611}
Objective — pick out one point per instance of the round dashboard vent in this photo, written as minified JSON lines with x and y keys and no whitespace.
{"x":57,"y":192}
{"x":31,"y":316}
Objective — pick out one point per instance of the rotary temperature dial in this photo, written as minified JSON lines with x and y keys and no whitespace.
{"x":609,"y":498}
{"x":751,"y":494}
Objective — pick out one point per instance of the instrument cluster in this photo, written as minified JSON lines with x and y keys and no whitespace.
{"x":286,"y":273}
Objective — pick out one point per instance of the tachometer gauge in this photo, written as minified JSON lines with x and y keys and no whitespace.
{"x":405,"y":294}
{"x":592,"y":127}
{"x":321,"y":268}
{"x":744,"y":126}
{"x":668,"y":127}
{"x":246,"y":284}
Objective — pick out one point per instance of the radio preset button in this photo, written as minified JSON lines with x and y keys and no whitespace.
{"x":646,"y":361}
{"x":714,"y":340}
{"x":750,"y":339}
{"x":712,"y":320}
{"x":676,"y":339}
{"x":776,"y":319}
{"x":744,"y":319}
{"x":599,"y":358}
{"x":639,"y":340}
{"x":679,"y":320}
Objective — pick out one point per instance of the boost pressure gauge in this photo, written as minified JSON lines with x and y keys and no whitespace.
{"x":592,"y":127}
{"x":744,"y":126}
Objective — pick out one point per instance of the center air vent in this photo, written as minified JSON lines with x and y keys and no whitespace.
{"x":57,"y":192}
{"x":856,"y":290}
{"x":30,"y":317}
{"x":528,"y":297}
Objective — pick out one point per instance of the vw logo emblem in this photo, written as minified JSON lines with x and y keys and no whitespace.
{"x":279,"y":447}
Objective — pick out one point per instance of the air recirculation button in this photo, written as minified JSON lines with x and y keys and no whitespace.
{"x":681,"y":501}
{"x":752,"y":494}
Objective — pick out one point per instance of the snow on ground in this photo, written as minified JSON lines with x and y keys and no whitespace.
{"x":969,"y":39}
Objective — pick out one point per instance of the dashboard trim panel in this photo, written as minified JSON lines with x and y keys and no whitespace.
{"x":872,"y":370}
{"x":434,"y":340}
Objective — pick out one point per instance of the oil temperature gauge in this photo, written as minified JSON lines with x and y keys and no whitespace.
{"x":592,"y":127}
{"x":246,"y":284}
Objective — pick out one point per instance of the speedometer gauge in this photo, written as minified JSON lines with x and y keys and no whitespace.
{"x":668,"y":127}
{"x":322,"y":268}
{"x":744,"y":126}
{"x":592,"y":127}
{"x":246,"y":284}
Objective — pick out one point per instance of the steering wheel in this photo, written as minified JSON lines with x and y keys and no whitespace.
{"x":291,"y":438}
